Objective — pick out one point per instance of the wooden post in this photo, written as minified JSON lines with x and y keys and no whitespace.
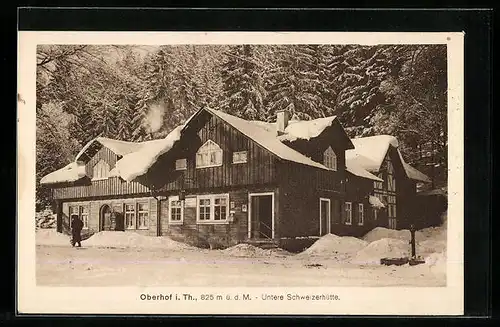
{"x":58,"y":208}
{"x":412,"y":241}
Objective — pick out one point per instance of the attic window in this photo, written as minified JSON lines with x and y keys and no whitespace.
{"x":101,"y":170}
{"x":209,"y":155}
{"x":240,"y":157}
{"x":330,"y":158}
{"x":181,"y":164}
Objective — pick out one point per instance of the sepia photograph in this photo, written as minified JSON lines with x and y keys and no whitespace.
{"x":238,"y":164}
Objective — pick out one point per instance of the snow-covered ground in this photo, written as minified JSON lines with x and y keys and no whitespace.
{"x":127,"y":259}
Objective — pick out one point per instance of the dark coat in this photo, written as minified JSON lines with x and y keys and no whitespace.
{"x":76,"y":228}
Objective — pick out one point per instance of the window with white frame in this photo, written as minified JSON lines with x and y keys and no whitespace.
{"x":204,"y":209}
{"x":130,"y":215}
{"x":181,"y":164}
{"x":348,"y":213}
{"x":176,"y":212}
{"x":100,"y":170}
{"x":82,"y":212}
{"x":330,"y":158}
{"x":361,"y":214}
{"x":84,"y":216}
{"x":220,"y":208}
{"x":209,"y":155}
{"x":142,"y":215}
{"x":240,"y":157}
{"x":213,"y":208}
{"x":73,"y":211}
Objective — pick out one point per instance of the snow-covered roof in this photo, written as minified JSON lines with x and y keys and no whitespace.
{"x":357,"y":170}
{"x":117,"y":146}
{"x":137,"y":163}
{"x":298,"y":129}
{"x":306,"y":129}
{"x":138,"y":157}
{"x":267,"y":138}
{"x":69,"y":173}
{"x":369,"y":153}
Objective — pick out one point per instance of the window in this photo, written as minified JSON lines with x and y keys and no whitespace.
{"x":101,"y":170}
{"x":130,"y":215}
{"x":176,"y":212}
{"x":375,"y":214}
{"x":348,"y":213}
{"x":330,"y":158}
{"x":209,"y":155}
{"x":84,"y":216}
{"x":82,"y":212}
{"x":220,"y":208}
{"x":213,"y":208}
{"x":204,"y":209}
{"x":143,"y":215}
{"x":181,"y":164}
{"x":240,"y":157}
{"x":361,"y":214}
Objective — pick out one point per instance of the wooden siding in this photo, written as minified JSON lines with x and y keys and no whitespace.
{"x":104,"y":154}
{"x":315,"y":147}
{"x":113,"y":186}
{"x":259,"y":168}
{"x":87,"y":188}
{"x":299,"y":191}
{"x":201,"y":234}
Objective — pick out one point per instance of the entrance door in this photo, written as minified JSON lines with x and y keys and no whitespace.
{"x":324,"y":216}
{"x":105,"y":218}
{"x":261,"y":215}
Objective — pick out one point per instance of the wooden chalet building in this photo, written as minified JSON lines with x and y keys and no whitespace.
{"x":394,"y":199}
{"x":219,"y":177}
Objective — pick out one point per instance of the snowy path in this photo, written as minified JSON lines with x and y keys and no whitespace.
{"x":66,"y":266}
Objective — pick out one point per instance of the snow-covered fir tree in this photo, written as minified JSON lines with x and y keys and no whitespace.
{"x":243,"y":91}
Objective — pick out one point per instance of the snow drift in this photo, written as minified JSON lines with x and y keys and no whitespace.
{"x":378,"y":233}
{"x":51,"y":237}
{"x":133,"y":240}
{"x":383,"y":248}
{"x":331,"y":244}
{"x":248,"y":250}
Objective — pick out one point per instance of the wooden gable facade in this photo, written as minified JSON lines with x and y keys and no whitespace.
{"x":238,"y":191}
{"x":397,"y":192}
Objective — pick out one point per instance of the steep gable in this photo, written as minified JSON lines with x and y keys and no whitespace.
{"x":370,"y":153}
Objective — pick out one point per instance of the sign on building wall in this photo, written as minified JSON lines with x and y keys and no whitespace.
{"x":190,"y":202}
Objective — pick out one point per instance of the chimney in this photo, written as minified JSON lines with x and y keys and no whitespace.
{"x":282,"y":118}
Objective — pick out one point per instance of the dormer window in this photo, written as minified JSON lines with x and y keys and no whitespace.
{"x":330,"y":159}
{"x":100,"y":170}
{"x":209,"y":155}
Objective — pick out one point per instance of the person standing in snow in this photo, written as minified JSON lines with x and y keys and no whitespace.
{"x":76,"y":230}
